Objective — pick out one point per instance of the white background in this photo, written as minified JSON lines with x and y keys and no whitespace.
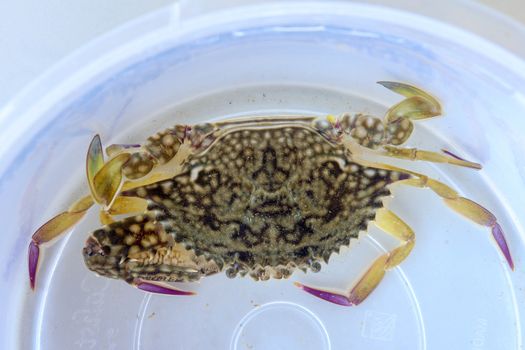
{"x":35,"y":34}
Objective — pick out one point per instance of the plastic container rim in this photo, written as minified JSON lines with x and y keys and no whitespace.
{"x":19,"y":115}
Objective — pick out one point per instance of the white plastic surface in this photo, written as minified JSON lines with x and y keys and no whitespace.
{"x":453,"y":292}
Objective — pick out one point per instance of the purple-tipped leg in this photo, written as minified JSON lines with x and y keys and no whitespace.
{"x":33,"y":254}
{"x":466,"y":162}
{"x":325,"y":295}
{"x":497,"y":233}
{"x":158,"y":288}
{"x":453,"y":155}
{"x":51,"y":230}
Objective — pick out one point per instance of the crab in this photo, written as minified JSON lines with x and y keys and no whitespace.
{"x":257,"y":196}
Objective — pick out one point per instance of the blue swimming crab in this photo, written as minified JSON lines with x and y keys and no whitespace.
{"x":256,"y":196}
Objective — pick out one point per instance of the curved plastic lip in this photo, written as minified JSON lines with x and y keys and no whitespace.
{"x":20,"y":118}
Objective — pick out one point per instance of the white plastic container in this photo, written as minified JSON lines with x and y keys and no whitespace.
{"x":184,"y":65}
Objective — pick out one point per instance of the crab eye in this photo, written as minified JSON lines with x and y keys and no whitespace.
{"x":326,"y":126}
{"x":322,"y":124}
{"x":93,"y":247}
{"x":203,"y":128}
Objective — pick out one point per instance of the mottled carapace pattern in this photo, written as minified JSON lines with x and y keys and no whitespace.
{"x":260,"y":201}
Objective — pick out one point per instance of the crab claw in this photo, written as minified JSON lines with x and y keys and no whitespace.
{"x":94,"y":162}
{"x":104,"y":179}
{"x":158,"y":288}
{"x":335,"y":298}
{"x":409,"y":91}
{"x":108,"y":180}
{"x":413,"y":108}
{"x":417,"y":105}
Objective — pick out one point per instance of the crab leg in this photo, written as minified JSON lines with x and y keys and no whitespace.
{"x":51,"y":230}
{"x":391,"y":224}
{"x":467,"y":208}
{"x":157,"y":287}
{"x":413,"y":154}
{"x":416,"y":154}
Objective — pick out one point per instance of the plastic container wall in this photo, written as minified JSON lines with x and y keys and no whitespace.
{"x":454,"y":291}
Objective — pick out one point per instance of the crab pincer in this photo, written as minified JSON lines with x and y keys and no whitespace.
{"x":104,"y":180}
